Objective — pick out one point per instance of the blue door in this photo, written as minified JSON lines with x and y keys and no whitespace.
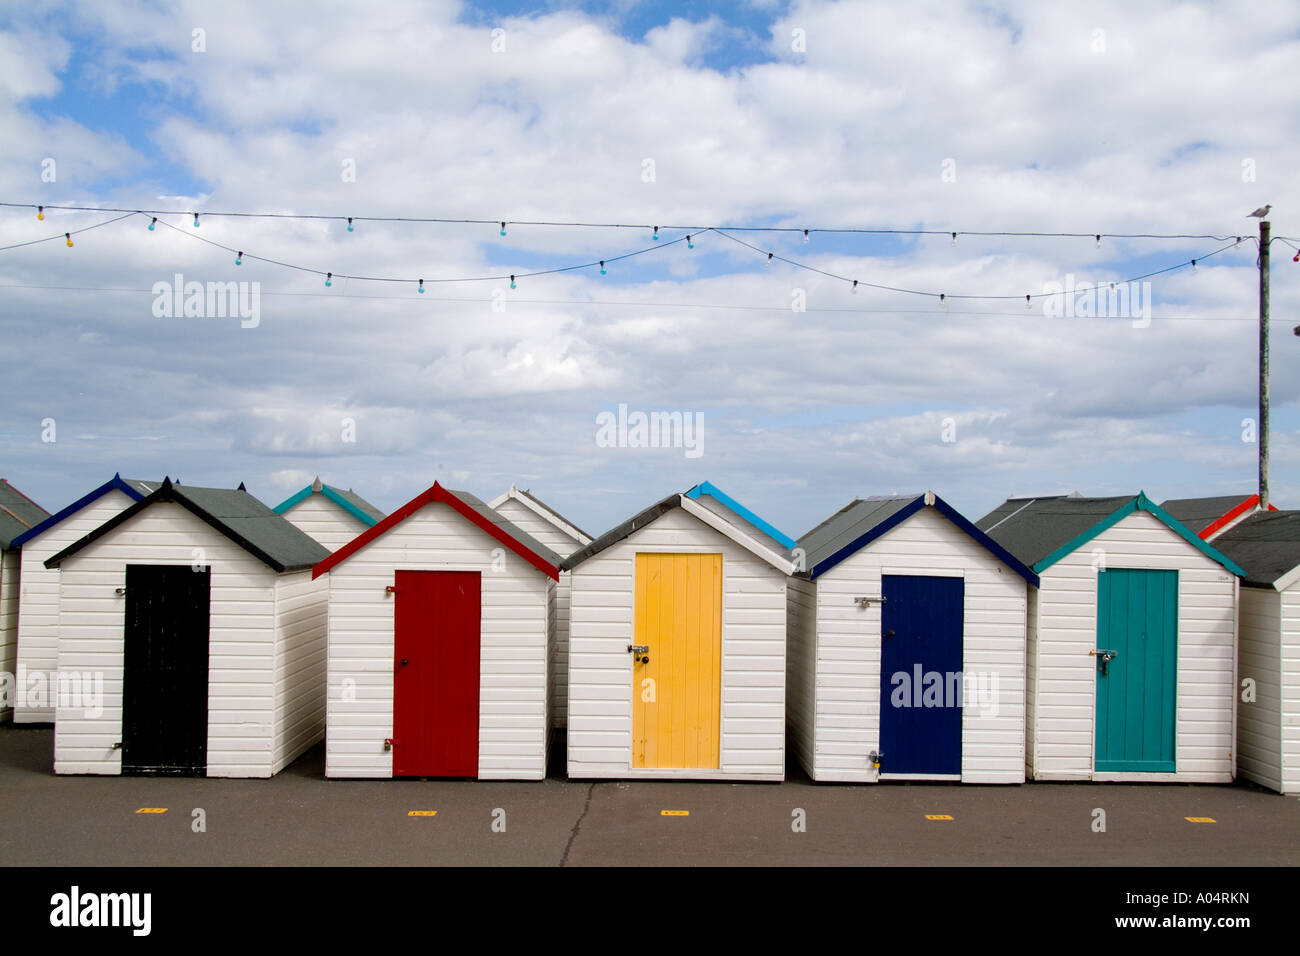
{"x":1137,"y":690}
{"x":921,"y":674}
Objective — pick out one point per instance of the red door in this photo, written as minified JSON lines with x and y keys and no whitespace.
{"x":435,"y":683}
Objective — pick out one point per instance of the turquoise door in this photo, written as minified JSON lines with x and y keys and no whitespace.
{"x":1137,"y":620}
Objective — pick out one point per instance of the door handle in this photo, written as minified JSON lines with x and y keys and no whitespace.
{"x":889,"y":633}
{"x":405,"y":662}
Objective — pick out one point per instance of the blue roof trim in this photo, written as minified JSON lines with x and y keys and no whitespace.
{"x":713,"y":491}
{"x":893,"y":521}
{"x":331,"y":495}
{"x":115,"y":482}
{"x":1001,"y":553}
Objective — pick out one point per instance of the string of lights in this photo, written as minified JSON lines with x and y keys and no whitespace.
{"x":689,"y":239}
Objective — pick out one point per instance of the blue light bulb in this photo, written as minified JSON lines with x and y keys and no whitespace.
{"x":196,"y":220}
{"x":328,"y":277}
{"x":349,"y":223}
{"x":503,"y":229}
{"x":512,"y":282}
{"x":689,"y":244}
{"x":421,"y":288}
{"x":151,"y":223}
{"x":602,"y":266}
{"x":655,"y":237}
{"x":239,"y":256}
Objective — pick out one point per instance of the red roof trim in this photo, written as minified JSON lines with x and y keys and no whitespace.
{"x":1250,"y":503}
{"x":441,"y":495}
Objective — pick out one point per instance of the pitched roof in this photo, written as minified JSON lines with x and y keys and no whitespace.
{"x":530,"y":500}
{"x":1266,"y":544}
{"x":235,"y":513}
{"x":348,"y":500}
{"x":1206,"y":516}
{"x":1041,"y":531}
{"x":133,"y":488}
{"x":709,"y":505}
{"x":863,"y":520}
{"x":469,"y":507}
{"x":17,"y":514}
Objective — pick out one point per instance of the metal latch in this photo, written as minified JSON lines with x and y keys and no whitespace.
{"x":388,"y":743}
{"x":119,"y":590}
{"x":640,"y":651}
{"x":868,"y":601}
{"x":874,"y":757}
{"x":117,"y":746}
{"x":1104,"y":657}
{"x":390,"y":589}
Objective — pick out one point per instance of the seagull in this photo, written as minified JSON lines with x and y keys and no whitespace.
{"x":1260,"y":213}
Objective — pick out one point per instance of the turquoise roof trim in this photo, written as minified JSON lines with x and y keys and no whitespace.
{"x":333,"y":496}
{"x":1140,"y":503}
{"x":708,"y":488}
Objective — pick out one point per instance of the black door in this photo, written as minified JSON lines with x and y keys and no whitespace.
{"x":165,"y":670}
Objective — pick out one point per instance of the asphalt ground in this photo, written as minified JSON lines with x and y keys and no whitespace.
{"x":300,"y":818}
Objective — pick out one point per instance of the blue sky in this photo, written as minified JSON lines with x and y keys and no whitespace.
{"x":1047,"y":124}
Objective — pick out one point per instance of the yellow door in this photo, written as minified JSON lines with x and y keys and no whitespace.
{"x":676,"y":695}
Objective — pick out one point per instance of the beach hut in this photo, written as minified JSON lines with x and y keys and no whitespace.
{"x":907,"y":647}
{"x":1132,"y":641}
{"x":191,"y":639}
{"x":17,"y":514}
{"x":441,"y":622}
{"x":677,"y":644}
{"x":524,"y":510}
{"x":38,"y":602}
{"x":1210,"y":517}
{"x":1268,"y":724}
{"x":333,"y":516}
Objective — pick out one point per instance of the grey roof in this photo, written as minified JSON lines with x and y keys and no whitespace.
{"x":1266,"y":545}
{"x":17,"y":513}
{"x":508,"y":526}
{"x":848,"y":524}
{"x":1199,"y":513}
{"x":619,"y":532}
{"x":359,"y":502}
{"x":1032,"y":528}
{"x":235,"y":513}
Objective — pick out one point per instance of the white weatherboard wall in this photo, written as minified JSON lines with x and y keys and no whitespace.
{"x":1268,"y":730}
{"x":325,"y":521}
{"x":515,"y":638}
{"x":753,"y":656}
{"x":835,"y":686}
{"x":38,"y":608}
{"x":1064,"y":689}
{"x":9,"y":566}
{"x":530,"y":522}
{"x":259,"y":712}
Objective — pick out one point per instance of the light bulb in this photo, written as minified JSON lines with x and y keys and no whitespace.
{"x":503,"y":228}
{"x":1028,"y":304}
{"x":239,"y":257}
{"x":1098,"y":238}
{"x":689,"y":244}
{"x":602,"y":266}
{"x":1194,"y":269}
{"x":421,"y":287}
{"x":512,"y":282}
{"x":68,"y":236}
{"x":153,"y":222}
{"x":805,"y":236}
{"x":943,"y":301}
{"x":328,"y":277}
{"x":854,"y":290}
{"x":196,"y":220}
{"x":40,"y":213}
{"x":769,"y":260}
{"x":349,"y":223}
{"x":954,"y":238}
{"x":656,"y":234}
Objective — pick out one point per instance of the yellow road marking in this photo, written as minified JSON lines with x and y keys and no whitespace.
{"x":674,"y":813}
{"x":152,"y":810}
{"x":423,"y":813}
{"x":938,"y":816}
{"x":1200,"y":819}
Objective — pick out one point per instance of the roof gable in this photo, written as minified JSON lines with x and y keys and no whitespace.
{"x":470,"y":508}
{"x":18,"y":513}
{"x":348,"y":500}
{"x":710,"y":490}
{"x":133,"y":488}
{"x":235,"y":513}
{"x":542,"y":510}
{"x":863,"y":520}
{"x":716,"y":514}
{"x":1042,"y":531}
{"x":1208,"y":516}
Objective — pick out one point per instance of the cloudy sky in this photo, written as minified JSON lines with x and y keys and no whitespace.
{"x":707,"y":119}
